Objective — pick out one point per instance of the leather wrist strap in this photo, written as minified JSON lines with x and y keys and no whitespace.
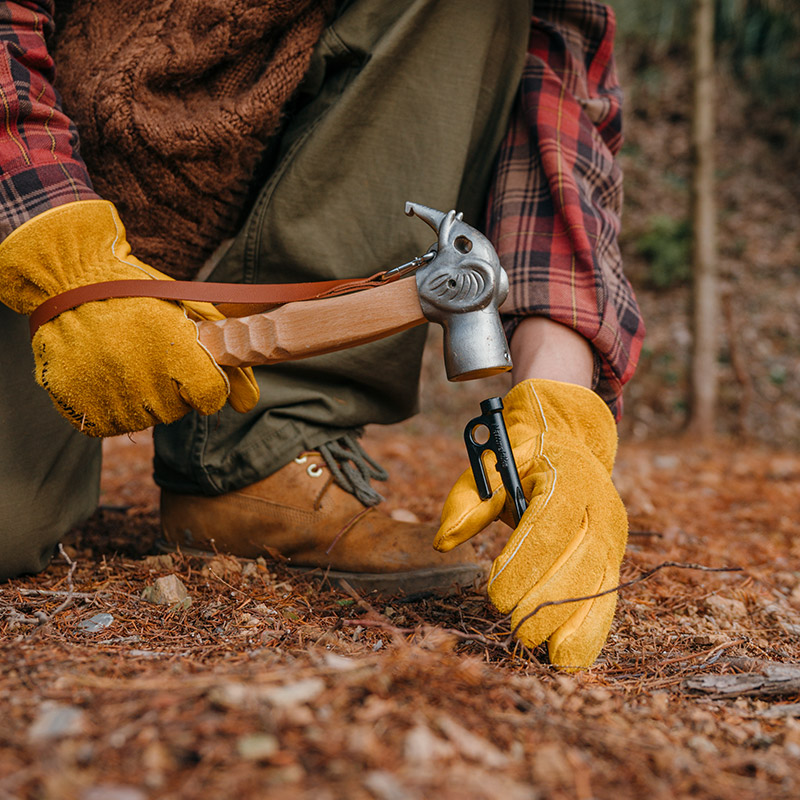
{"x":232,"y":299}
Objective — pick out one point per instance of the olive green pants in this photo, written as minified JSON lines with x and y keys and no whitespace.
{"x":403,"y":100}
{"x":49,"y":473}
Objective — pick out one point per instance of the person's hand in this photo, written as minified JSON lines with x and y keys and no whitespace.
{"x":571,"y":539}
{"x":119,"y":365}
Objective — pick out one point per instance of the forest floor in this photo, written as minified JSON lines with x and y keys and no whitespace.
{"x":266,"y":683}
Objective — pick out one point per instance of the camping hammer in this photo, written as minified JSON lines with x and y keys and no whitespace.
{"x":459,"y":284}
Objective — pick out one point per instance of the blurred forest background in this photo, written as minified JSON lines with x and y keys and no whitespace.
{"x":757,"y":144}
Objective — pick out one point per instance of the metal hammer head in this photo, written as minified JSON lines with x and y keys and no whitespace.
{"x":461,"y":289}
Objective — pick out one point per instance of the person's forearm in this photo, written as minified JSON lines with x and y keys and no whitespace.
{"x":541,"y":348}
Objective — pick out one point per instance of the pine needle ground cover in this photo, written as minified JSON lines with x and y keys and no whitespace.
{"x":256,"y":681}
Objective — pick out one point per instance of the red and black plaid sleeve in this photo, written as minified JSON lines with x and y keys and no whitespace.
{"x":554,"y":207}
{"x":39,"y":162}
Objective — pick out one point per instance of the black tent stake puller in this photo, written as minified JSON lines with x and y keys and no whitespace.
{"x":492,"y":419}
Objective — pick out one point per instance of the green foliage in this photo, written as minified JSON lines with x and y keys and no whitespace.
{"x":654,"y":24}
{"x":778,"y":374}
{"x":666,"y":246}
{"x":759,"y":40}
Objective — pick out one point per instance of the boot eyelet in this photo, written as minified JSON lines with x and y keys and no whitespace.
{"x":301,"y":459}
{"x":314,"y":470}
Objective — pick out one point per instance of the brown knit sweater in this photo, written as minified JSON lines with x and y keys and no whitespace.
{"x":175,"y":101}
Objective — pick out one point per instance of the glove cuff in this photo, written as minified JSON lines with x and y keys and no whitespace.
{"x":564,"y":408}
{"x":64,"y":247}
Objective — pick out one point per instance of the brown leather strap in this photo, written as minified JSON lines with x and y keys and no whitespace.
{"x":250,"y":298}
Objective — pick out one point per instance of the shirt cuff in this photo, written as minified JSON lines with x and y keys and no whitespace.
{"x":29,"y":192}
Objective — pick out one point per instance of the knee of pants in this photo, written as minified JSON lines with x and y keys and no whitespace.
{"x":31,"y":525}
{"x":26,"y":552}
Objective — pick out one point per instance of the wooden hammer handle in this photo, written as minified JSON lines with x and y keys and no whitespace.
{"x":312,"y":327}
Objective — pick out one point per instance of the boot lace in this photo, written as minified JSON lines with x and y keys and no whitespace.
{"x":352,"y":468}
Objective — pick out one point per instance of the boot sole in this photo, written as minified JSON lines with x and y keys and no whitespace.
{"x":439,"y":580}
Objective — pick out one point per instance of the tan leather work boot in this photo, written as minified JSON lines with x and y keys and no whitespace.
{"x":301,"y":513}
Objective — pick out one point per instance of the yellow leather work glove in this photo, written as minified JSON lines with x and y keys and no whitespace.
{"x":119,"y":365}
{"x":571,"y":539}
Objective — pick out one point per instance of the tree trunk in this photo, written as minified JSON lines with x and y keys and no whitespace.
{"x":705,"y":301}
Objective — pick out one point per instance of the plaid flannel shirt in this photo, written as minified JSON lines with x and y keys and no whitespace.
{"x":40,"y":166}
{"x":554,"y":208}
{"x":554,"y":205}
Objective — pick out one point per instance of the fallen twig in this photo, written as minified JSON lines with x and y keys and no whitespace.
{"x":386,"y":625}
{"x":625,"y":585}
{"x":40,"y":618}
{"x":348,"y":589}
{"x":706,"y":654}
{"x":378,"y":620}
{"x":70,"y":586}
{"x":57,"y":593}
{"x":771,"y":680}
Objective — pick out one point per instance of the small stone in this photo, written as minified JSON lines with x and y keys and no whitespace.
{"x":294,"y":694}
{"x":726,"y":608}
{"x":384,"y":786}
{"x":340,"y":663}
{"x":423,"y":746}
{"x":167,"y":591}
{"x":221,"y":566}
{"x":257,"y":746}
{"x":56,"y":721}
{"x":471,"y":745}
{"x":404,"y":515}
{"x":702,"y":745}
{"x":96,"y":623}
{"x":231,"y":695}
{"x":270,"y":635}
{"x":160,"y":562}
{"x":241,"y":695}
